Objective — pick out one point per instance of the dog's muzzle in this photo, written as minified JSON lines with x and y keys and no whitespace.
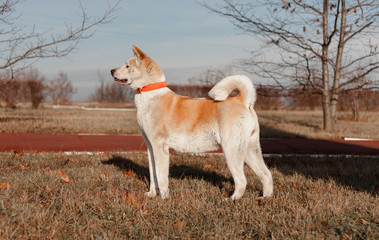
{"x":121,"y":81}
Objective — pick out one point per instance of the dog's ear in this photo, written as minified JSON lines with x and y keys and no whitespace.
{"x":138,"y":53}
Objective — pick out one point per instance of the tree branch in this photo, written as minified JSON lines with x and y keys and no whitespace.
{"x":34,"y":46}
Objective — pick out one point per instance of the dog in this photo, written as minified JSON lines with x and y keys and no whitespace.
{"x":195,"y":125}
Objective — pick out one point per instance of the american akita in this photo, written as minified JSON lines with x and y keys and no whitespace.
{"x":168,"y":120}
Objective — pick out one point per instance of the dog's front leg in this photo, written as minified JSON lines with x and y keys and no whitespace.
{"x":158,"y":155}
{"x":152,"y":170}
{"x":153,"y":176}
{"x":161,"y":160}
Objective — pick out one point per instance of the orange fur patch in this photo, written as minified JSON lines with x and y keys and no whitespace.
{"x":186,"y":111}
{"x":195,"y":113}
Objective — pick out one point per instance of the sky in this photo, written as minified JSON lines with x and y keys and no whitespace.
{"x":183,"y":37}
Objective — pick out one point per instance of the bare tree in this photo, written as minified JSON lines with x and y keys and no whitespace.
{"x":10,"y":93}
{"x":34,"y":88}
{"x":200,"y":85}
{"x":211,"y":76}
{"x":191,"y":90}
{"x":326,"y":45}
{"x":111,"y":92}
{"x":20,"y":47}
{"x":61,"y":89}
{"x":358,"y":101}
{"x":270,"y":98}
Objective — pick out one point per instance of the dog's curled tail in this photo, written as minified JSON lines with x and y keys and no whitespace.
{"x":243,"y":84}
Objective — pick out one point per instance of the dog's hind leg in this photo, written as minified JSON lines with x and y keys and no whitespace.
{"x":235,"y":161}
{"x":254,"y":160}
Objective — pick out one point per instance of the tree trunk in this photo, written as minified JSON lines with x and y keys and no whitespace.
{"x":355,"y":110}
{"x":333,"y":103}
{"x":355,"y":106}
{"x":337,"y":68}
{"x":327,"y":113}
{"x":326,"y":95}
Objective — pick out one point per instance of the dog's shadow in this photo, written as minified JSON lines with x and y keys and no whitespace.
{"x":176,"y":172}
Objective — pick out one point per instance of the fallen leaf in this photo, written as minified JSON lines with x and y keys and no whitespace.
{"x":4,"y":185}
{"x":130,"y":174}
{"x":129,"y":197}
{"x":66,"y":161}
{"x":146,"y":212}
{"x":63,"y":176}
{"x":210,"y":166}
{"x":98,"y":179}
{"x":260,"y":202}
{"x":23,"y":166}
{"x":18,"y":153}
{"x":180,"y":224}
{"x":132,"y":200}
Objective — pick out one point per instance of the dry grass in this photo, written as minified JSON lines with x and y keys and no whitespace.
{"x":308,"y":124}
{"x":51,"y":196}
{"x":275,"y":124}
{"x":67,"y":121}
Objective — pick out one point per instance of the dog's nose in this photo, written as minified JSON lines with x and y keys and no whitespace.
{"x":112,"y":71}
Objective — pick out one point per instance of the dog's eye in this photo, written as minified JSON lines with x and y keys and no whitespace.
{"x":127,"y":66}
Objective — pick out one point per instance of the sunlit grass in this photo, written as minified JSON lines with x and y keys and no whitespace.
{"x":52,"y":195}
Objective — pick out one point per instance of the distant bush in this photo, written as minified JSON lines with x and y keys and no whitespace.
{"x":112,"y":93}
{"x":60,"y":89}
{"x":31,"y":86}
{"x":10,"y":92}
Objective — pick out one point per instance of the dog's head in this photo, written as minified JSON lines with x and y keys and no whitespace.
{"x":139,"y":71}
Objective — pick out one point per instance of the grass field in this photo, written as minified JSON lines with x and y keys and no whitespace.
{"x":68,"y":121}
{"x":275,"y":124}
{"x":58,"y":196}
{"x":55,"y":196}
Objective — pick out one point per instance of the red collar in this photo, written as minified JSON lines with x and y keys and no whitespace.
{"x":152,"y":87}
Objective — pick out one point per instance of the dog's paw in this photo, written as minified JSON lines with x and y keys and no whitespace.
{"x":151,"y":194}
{"x":164,"y":194}
{"x":267,"y":192}
{"x":235,"y":197}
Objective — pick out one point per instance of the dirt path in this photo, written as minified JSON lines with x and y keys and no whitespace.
{"x":24,"y":142}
